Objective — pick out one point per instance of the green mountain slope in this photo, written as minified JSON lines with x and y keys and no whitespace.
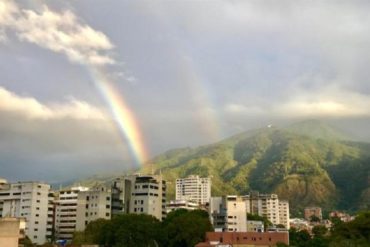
{"x":307,"y":169}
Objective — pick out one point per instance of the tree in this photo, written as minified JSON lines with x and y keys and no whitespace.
{"x":314,"y":218}
{"x":319,"y":231}
{"x":266,"y":222}
{"x":183,"y":228}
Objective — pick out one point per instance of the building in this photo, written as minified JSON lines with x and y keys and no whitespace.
{"x":182,"y":204}
{"x":148,"y":196}
{"x":140,"y":194}
{"x":224,"y":210}
{"x":11,"y":231}
{"x":284,"y":213}
{"x":341,"y":215}
{"x":239,"y":239}
{"x":93,"y":204}
{"x":228,"y":213}
{"x":312,"y":211}
{"x":255,"y":226}
{"x":66,"y":212}
{"x":32,"y":201}
{"x":194,"y":189}
{"x":269,"y":206}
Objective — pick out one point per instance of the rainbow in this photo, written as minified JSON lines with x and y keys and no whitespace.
{"x":124,"y":118}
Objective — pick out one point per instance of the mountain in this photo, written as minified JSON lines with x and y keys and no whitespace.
{"x":308,"y":163}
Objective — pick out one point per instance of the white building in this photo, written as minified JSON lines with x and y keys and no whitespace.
{"x":93,"y":204}
{"x":229,"y":213}
{"x":194,"y":188}
{"x":268,"y":205}
{"x":148,"y":196}
{"x":284,"y":213}
{"x":66,"y":212}
{"x":32,"y":201}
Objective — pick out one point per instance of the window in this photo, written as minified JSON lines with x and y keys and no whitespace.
{"x":37,"y":208}
{"x":108,"y":198}
{"x":38,"y":193}
{"x":36,"y":222}
{"x":38,"y":201}
{"x":107,"y":206}
{"x":35,"y":229}
{"x":87,"y":198}
{"x":107,"y":214}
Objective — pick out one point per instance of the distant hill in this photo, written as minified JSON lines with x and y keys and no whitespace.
{"x":308,"y":163}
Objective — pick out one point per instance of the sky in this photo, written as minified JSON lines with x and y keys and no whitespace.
{"x":89,"y":86}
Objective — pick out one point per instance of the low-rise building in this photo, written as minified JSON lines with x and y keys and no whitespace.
{"x":11,"y":231}
{"x":238,"y":239}
{"x":255,"y":226}
{"x":182,"y":204}
{"x":312,"y":211}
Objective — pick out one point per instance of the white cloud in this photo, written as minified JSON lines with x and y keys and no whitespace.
{"x":60,"y":32}
{"x":32,"y":108}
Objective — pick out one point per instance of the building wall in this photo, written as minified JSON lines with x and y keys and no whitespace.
{"x":244,"y":239}
{"x":236,"y":214}
{"x":92,"y":205}
{"x":148,"y":196}
{"x":29,"y":200}
{"x":310,"y":211}
{"x":66,"y":212}
{"x":194,"y":188}
{"x":9,"y":232}
{"x":284,"y":213}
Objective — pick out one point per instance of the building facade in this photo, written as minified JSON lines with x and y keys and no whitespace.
{"x":93,"y":204}
{"x":312,"y":211}
{"x":66,"y":212}
{"x":32,"y":201}
{"x":194,"y":189}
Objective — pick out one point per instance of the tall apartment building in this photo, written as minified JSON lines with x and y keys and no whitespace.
{"x":141,"y":194}
{"x":284,"y":218}
{"x":229,"y":213}
{"x":66,"y":212}
{"x":32,"y":201}
{"x":268,"y":205}
{"x":148,"y":196}
{"x":194,"y":188}
{"x":93,"y":204}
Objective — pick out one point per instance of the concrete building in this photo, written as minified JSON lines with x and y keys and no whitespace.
{"x":223,"y":210}
{"x":312,"y":211}
{"x":11,"y":231}
{"x":255,"y":226}
{"x":66,"y":212}
{"x":182,"y":204}
{"x":148,"y":196}
{"x":194,"y":189}
{"x":93,"y":204}
{"x":32,"y":201}
{"x":268,"y":205}
{"x":228,"y":213}
{"x":284,"y":213}
{"x":241,"y":239}
{"x":140,"y":194}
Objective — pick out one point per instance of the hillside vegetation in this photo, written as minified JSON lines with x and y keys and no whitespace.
{"x":321,"y":169}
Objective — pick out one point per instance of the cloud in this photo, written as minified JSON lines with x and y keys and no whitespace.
{"x":32,"y":108}
{"x":60,"y":32}
{"x":48,"y":141}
